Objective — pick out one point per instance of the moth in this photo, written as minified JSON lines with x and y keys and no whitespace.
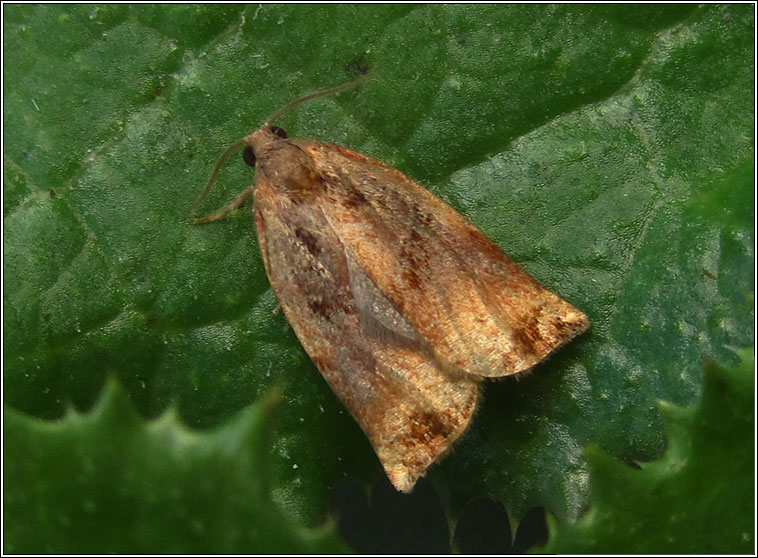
{"x":401,"y":303}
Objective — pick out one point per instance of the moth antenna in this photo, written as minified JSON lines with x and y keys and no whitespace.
{"x":339,"y":89}
{"x":212,"y":179}
{"x":270,"y":119}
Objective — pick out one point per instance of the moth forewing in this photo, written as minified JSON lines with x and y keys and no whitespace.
{"x":410,"y":409}
{"x":477,"y":310}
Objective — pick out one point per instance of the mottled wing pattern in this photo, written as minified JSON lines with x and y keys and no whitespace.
{"x":473,"y":306}
{"x":410,"y":409}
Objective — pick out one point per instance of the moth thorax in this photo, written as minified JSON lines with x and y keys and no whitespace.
{"x":288,"y":168}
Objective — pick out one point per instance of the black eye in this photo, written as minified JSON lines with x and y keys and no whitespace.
{"x":279,"y":132}
{"x":249,"y":155}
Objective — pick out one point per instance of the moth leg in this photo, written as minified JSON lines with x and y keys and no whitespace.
{"x":237,"y":203}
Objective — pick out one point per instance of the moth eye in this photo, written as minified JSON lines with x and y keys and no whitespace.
{"x":279,"y":132}
{"x":249,"y":155}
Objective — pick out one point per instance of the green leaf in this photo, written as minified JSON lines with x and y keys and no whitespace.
{"x":691,"y":501}
{"x":607,"y":149}
{"x":107,"y":482}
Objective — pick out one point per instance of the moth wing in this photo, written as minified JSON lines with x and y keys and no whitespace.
{"x":476,"y":310}
{"x":410,"y":409}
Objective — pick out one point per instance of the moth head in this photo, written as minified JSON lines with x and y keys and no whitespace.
{"x":248,"y":154}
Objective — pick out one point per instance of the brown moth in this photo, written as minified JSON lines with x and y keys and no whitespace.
{"x":402,"y":304}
